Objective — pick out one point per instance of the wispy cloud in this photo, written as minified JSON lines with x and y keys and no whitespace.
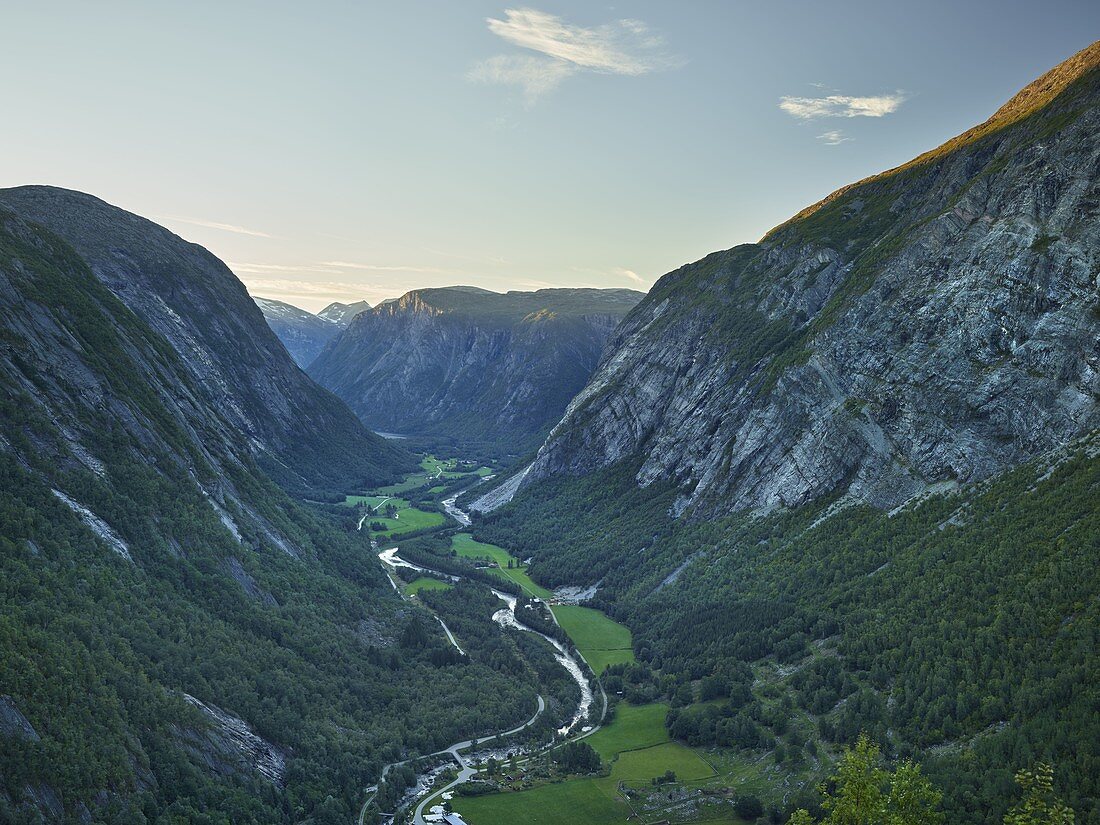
{"x":624,"y":47}
{"x":534,"y":75}
{"x":631,"y":275}
{"x":313,"y":295}
{"x":811,"y":108}
{"x":834,"y":137}
{"x":434,"y":270}
{"x":615,"y":272}
{"x":224,"y":227}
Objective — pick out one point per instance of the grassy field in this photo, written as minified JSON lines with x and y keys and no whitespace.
{"x":425,"y":583}
{"x":564,"y":803}
{"x":465,"y":546}
{"x":408,"y":517}
{"x":638,"y":748}
{"x":448,"y":468}
{"x":649,"y":762}
{"x":600,"y":640}
{"x":408,"y":520}
{"x":430,"y":468}
{"x":375,"y":501}
{"x":633,"y":727}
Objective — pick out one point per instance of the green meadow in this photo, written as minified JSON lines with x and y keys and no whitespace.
{"x":562,"y":803}
{"x":425,"y":583}
{"x":637,"y":746}
{"x":632,"y":727}
{"x":408,"y":518}
{"x":448,"y":468}
{"x":430,"y":468}
{"x":465,"y":546}
{"x":642,"y":765}
{"x":600,"y":640}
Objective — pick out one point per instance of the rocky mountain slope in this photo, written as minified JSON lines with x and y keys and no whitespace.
{"x":299,"y":432}
{"x":848,"y":475}
{"x":469,"y":364}
{"x":303,"y":334}
{"x":932,"y":325}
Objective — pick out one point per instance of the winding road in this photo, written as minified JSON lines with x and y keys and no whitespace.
{"x":465,"y":771}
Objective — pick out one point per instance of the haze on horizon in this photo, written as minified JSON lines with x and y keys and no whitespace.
{"x":355,"y":152}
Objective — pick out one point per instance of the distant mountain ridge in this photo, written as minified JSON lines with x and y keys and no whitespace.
{"x":472,"y":365}
{"x":341,"y":314}
{"x":303,"y":334}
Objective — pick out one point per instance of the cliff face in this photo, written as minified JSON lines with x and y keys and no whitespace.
{"x":301,"y":434}
{"x":302,"y":333}
{"x":936,"y":323}
{"x":470,"y":364}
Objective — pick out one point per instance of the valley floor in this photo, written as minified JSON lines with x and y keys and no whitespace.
{"x":634,"y":744}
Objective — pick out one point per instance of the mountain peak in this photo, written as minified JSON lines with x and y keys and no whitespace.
{"x":1029,"y":101}
{"x":341,"y":313}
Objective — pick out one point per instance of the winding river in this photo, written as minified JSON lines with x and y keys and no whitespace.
{"x":505,"y":617}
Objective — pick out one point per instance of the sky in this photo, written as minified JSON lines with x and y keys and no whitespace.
{"x":356,"y":150}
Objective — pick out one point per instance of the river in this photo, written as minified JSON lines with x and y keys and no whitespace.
{"x":505,"y":617}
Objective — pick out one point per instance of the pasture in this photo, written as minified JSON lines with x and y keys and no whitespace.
{"x":602,"y":641}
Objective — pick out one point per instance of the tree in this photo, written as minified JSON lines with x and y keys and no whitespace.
{"x":748,"y":807}
{"x":867,"y":794}
{"x":1039,"y":806}
{"x":912,"y":799}
{"x":858,"y":798}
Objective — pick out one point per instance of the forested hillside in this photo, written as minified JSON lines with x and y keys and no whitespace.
{"x":962,"y":630}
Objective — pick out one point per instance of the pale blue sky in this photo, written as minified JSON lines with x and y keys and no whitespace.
{"x":369,"y":148}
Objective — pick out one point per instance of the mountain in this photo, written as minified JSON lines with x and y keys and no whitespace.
{"x":341,"y":314}
{"x":932,"y":325}
{"x":845,"y":479}
{"x":303,"y":334}
{"x":300,"y":433}
{"x":472,"y":365}
{"x":180,"y":640}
